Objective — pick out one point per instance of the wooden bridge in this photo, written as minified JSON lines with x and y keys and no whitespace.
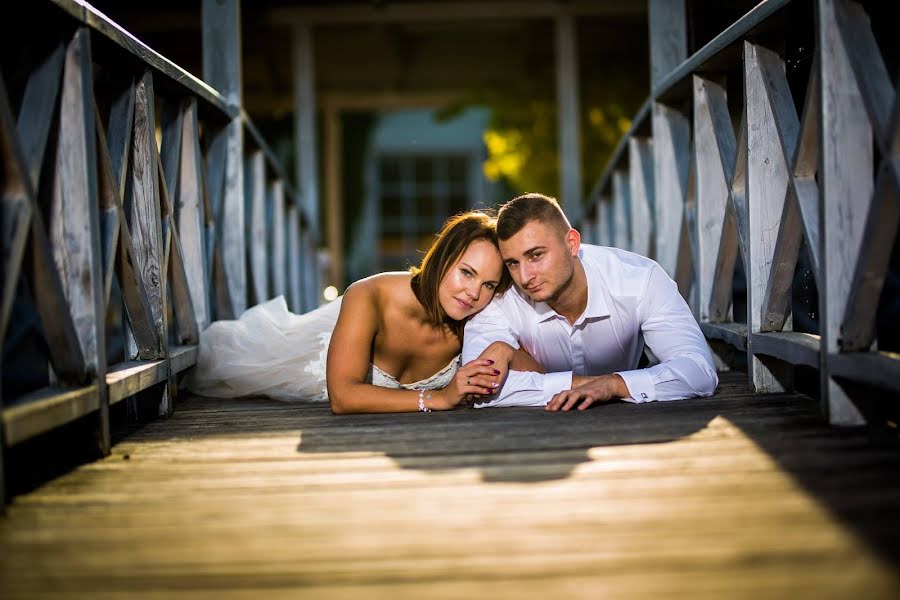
{"x":140,"y":203}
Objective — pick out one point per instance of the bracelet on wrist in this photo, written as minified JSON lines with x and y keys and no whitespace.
{"x":423,"y":396}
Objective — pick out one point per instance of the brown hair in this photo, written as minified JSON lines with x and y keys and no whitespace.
{"x":521,"y":210}
{"x":449,"y":244}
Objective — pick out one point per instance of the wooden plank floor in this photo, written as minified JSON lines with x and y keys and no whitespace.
{"x":732,"y":496}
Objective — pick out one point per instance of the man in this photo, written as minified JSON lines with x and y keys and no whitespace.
{"x":584,"y":313}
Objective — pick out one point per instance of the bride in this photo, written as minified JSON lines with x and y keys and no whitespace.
{"x":390,"y":344}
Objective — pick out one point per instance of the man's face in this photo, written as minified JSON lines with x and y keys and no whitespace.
{"x":540,"y":259}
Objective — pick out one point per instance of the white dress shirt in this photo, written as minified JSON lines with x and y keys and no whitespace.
{"x":630,"y":301}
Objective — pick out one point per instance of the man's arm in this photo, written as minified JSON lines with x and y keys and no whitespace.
{"x":686,"y":368}
{"x":521,"y":388}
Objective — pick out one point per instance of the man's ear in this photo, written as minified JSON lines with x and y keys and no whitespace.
{"x":573,"y":241}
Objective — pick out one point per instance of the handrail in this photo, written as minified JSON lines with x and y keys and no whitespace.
{"x":708,"y":199}
{"x":168,"y":218}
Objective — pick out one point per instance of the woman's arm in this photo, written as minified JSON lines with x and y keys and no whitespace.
{"x":350,"y":353}
{"x":505,"y":358}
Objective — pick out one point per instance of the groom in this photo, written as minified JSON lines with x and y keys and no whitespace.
{"x":584,"y":314}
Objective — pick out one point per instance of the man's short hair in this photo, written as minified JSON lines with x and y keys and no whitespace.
{"x":521,"y":210}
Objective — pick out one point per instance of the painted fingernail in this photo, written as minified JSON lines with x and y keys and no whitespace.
{"x":490,"y":362}
{"x":496,"y":372}
{"x":495,"y":384}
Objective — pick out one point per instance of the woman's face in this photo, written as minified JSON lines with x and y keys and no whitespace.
{"x":470,"y":282}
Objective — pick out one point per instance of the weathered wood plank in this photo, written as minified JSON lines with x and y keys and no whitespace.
{"x":671,"y":161}
{"x":277,"y":240}
{"x":668,"y":37}
{"x":47,"y":409}
{"x":132,"y":376}
{"x":789,"y":346}
{"x":733,"y":333}
{"x":225,"y":160}
{"x":176,"y":274}
{"x":658,"y":498}
{"x":295,"y":297}
{"x":621,"y":223}
{"x":767,"y":184}
{"x":846,"y":192}
{"x":255,"y":219}
{"x":37,"y":110}
{"x":565,"y":37}
{"x":110,"y":207}
{"x":641,"y":193}
{"x":73,"y":216}
{"x":881,"y":369}
{"x":17,"y":207}
{"x":714,"y":150}
{"x":191,"y":214}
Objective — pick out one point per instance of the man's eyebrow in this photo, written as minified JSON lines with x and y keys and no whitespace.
{"x":534,"y":249}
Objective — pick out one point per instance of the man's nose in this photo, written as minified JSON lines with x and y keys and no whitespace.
{"x":525,"y":273}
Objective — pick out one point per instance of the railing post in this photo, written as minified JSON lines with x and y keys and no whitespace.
{"x":222,"y":70}
{"x":306,"y":168}
{"x":668,"y":37}
{"x":567,"y":108}
{"x":846,"y":186}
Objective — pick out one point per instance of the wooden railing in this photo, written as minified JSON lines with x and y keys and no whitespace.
{"x":689,"y":189}
{"x":133,"y":192}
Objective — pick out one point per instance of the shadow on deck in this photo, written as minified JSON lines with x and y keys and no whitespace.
{"x":731,"y":495}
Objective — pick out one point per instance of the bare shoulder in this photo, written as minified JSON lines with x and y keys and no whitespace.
{"x":378,"y":290}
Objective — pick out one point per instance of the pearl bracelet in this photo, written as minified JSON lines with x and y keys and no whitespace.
{"x":422,"y":398}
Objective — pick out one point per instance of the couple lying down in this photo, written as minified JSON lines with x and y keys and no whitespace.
{"x":568,"y":334}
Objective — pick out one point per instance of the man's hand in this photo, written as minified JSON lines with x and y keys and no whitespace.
{"x":589,"y":391}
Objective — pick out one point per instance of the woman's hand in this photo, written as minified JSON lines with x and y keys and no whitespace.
{"x":475,"y":377}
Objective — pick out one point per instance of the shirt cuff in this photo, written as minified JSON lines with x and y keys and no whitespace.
{"x":555,"y":383}
{"x":640,"y":385}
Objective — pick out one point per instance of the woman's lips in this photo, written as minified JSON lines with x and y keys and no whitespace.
{"x":464,"y":305}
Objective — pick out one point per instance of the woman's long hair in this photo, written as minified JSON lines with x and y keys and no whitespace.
{"x":450,"y":242}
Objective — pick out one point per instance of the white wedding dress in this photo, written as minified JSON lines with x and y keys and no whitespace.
{"x":270,"y":351}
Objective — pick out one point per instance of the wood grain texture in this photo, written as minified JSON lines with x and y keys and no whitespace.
{"x":714,"y":152}
{"x":640,"y":169}
{"x":143,"y":209}
{"x":621,"y":211}
{"x":846,"y":188}
{"x":671,"y":162}
{"x":276,"y":238}
{"x":731,"y":496}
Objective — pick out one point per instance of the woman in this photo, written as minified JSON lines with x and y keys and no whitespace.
{"x":394,"y":345}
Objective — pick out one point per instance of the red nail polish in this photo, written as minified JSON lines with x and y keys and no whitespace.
{"x":490,"y":362}
{"x":496,"y":372}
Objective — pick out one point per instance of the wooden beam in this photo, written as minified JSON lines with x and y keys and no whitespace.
{"x":767,"y":182}
{"x":142,"y":202}
{"x":427,"y":12}
{"x":671,"y":162}
{"x":277,"y":238}
{"x":255,"y":220}
{"x":222,"y":48}
{"x":568,"y":115}
{"x":668,"y":37}
{"x":640,"y":161}
{"x":846,"y":184}
{"x":295,"y":261}
{"x":714,"y":151}
{"x":334,"y":197}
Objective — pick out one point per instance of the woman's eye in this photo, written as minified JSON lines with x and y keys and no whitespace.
{"x":490,"y":286}
{"x":467,"y":272}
